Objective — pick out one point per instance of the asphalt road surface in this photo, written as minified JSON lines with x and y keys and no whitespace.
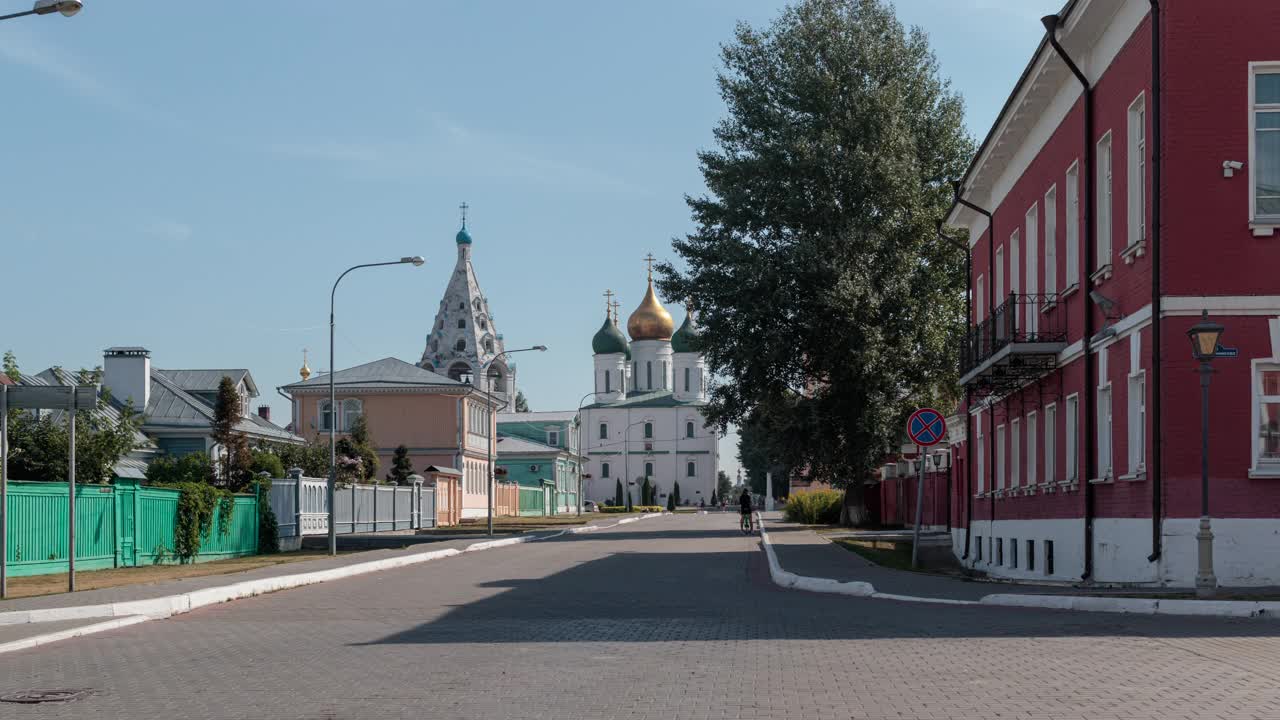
{"x":665,"y":618}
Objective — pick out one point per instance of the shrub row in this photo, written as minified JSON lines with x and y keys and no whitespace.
{"x":634,"y":508}
{"x":819,"y":507}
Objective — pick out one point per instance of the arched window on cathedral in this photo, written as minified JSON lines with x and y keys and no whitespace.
{"x":488,"y":345}
{"x":607,"y":387}
{"x":483,"y":325}
{"x":462,"y":323}
{"x":604,"y":470}
{"x":691,"y":469}
{"x":688,"y":429}
{"x":461,"y":346}
{"x":648,"y":431}
{"x":604,"y":431}
{"x":648,"y":469}
{"x":458,"y":370}
{"x":648,"y":374}
{"x":462,"y":305}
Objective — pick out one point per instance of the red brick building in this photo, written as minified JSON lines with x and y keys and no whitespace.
{"x":1101,"y":222}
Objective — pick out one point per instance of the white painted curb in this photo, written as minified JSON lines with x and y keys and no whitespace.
{"x":163,"y":607}
{"x":1085,"y":603}
{"x":47,"y":638}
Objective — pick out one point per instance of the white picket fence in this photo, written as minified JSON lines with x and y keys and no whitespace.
{"x":302,"y":502}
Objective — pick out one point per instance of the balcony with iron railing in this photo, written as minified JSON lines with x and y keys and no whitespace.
{"x":1017,"y":343}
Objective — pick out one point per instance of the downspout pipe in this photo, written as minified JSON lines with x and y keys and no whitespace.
{"x":1051,"y":23}
{"x":991,"y":308}
{"x":1157,"y":157}
{"x":968,"y":425}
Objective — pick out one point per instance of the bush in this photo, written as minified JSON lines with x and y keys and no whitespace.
{"x":268,"y":526}
{"x":267,"y":462}
{"x":820,"y":507}
{"x":634,"y":508}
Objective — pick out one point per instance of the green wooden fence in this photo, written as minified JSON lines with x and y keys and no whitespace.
{"x":120,"y":525}
{"x":533,"y":501}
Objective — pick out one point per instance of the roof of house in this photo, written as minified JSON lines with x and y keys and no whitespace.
{"x":109,"y":412}
{"x":535,"y":417}
{"x":509,"y":445}
{"x":441,"y":470}
{"x":4,"y":379}
{"x":171,"y":406}
{"x":208,"y":380}
{"x":649,"y":399}
{"x":380,"y":374}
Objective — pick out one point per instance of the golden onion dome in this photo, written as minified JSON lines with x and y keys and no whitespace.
{"x":305,"y":371}
{"x":650,"y":321}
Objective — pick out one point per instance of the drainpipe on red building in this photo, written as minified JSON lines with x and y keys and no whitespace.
{"x":991,"y":303}
{"x":1051,"y":23}
{"x":1157,"y":157}
{"x":968,"y":430}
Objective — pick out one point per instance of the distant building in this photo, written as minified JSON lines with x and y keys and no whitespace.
{"x":443,"y":422}
{"x":541,"y":449}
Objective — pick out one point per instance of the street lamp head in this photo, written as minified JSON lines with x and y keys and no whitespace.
{"x":1204,"y":337}
{"x":540,"y":348}
{"x":66,"y":7}
{"x":416,"y":260}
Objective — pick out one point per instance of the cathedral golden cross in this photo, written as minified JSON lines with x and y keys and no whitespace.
{"x":608,"y":301}
{"x":616,"y":305}
{"x":648,"y":259}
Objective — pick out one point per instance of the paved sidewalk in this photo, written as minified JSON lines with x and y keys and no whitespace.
{"x":804,"y":552}
{"x":124,"y":593}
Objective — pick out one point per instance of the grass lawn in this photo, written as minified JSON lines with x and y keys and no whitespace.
{"x":898,"y":558}
{"x":55,"y":583}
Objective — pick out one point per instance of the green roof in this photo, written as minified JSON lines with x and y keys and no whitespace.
{"x":608,"y":339}
{"x":463,"y":237}
{"x":686,"y":338}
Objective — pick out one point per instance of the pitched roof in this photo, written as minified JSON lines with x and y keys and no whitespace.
{"x":510,"y":445}
{"x":657,"y":398}
{"x":4,"y":379}
{"x":208,"y":380}
{"x":385,"y":373}
{"x":546,"y":416}
{"x":171,"y":406}
{"x":110,"y":412}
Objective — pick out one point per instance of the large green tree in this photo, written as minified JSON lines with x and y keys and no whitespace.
{"x":236,"y":460}
{"x":815,"y":269}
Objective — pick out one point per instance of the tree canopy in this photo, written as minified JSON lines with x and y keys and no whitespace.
{"x":823,"y":294}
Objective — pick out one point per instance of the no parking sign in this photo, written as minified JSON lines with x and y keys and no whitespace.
{"x":927,"y":427}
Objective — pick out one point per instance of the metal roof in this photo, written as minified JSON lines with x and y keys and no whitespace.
{"x":511,"y":445}
{"x":208,"y":380}
{"x":657,"y":398}
{"x":547,"y":416}
{"x":109,"y":413}
{"x":385,"y":373}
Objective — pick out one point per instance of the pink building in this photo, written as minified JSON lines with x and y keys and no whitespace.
{"x":1131,"y":181}
{"x":444,"y":423}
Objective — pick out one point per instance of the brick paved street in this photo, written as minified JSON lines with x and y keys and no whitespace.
{"x":665,"y":618}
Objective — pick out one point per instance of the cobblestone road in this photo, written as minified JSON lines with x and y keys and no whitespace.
{"x":666,"y":618}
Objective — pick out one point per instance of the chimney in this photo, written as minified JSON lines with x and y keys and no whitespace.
{"x":126,"y":372}
{"x":264,"y":412}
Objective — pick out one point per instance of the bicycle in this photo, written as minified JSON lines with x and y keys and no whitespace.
{"x":746,"y":524}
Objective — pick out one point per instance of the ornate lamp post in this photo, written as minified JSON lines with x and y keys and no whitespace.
{"x":1204,"y":347}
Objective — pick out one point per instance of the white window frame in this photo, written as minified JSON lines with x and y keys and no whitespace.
{"x":690,"y":430}
{"x":1051,"y":241}
{"x":1015,"y":263}
{"x":1032,"y":253}
{"x":1136,"y":162}
{"x":1002,"y":465}
{"x":690,"y":468}
{"x":603,"y":431}
{"x":1260,"y":468}
{"x":1106,"y":203}
{"x":1073,"y":227}
{"x":1033,"y":426}
{"x":1050,"y":443}
{"x":981,"y":454}
{"x":553,"y":438}
{"x":1015,"y":453}
{"x":999,"y":288}
{"x":604,"y":470}
{"x":979,"y":300}
{"x":1106,"y":433}
{"x":1136,"y":399}
{"x":1071,"y":423}
{"x":1263,"y":224}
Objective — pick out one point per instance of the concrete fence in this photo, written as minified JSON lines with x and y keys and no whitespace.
{"x":301,"y":507}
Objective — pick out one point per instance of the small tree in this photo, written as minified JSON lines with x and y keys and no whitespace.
{"x":675,"y":492}
{"x":362,"y":447}
{"x":628,"y":500}
{"x":236,"y":462}
{"x":401,"y":467}
{"x":617,"y":493}
{"x":11,"y":366}
{"x":713,"y":497}
{"x":646,"y":492}
{"x":265,"y":461}
{"x":723,"y":484}
{"x":522,"y":405}
{"x":671,"y":502}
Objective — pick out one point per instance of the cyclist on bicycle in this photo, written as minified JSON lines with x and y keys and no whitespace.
{"x":744,"y":505}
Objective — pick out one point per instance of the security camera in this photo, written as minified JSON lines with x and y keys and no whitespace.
{"x":1229,"y":167}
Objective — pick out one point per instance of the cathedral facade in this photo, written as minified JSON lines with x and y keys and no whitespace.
{"x":646,"y":419}
{"x":464,"y":341}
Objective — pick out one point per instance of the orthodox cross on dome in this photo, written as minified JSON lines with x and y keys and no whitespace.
{"x":608,"y":301}
{"x":615,"y":305}
{"x":648,"y":259}
{"x":463,"y":207}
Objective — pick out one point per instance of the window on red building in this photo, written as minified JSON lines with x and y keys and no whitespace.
{"x":1073,"y":226}
{"x":1267,"y":419}
{"x":1264,"y":89}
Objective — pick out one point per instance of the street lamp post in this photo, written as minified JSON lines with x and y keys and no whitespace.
{"x":1204,"y":347}
{"x":578,"y":419}
{"x":47,"y":7}
{"x":493,"y":427}
{"x":416,"y":261}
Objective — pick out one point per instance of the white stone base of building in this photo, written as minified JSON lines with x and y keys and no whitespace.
{"x":1246,"y":551}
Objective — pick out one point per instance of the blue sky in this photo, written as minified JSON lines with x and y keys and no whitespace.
{"x":192,"y":176}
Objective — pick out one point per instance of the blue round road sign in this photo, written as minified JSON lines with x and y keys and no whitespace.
{"x":927,"y":427}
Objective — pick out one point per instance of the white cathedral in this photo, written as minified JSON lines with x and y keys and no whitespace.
{"x":647,"y":419}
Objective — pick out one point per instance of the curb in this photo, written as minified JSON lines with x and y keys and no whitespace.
{"x":133,"y":611}
{"x":1082,"y":603}
{"x":45,"y":639}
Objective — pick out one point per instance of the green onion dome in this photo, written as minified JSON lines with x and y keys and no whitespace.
{"x":686,"y":338}
{"x":608,"y":340}
{"x":463,"y":237}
